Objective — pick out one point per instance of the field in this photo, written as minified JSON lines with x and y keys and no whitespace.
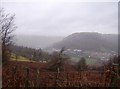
{"x":89,"y":61}
{"x":19,"y":58}
{"x":33,"y":74}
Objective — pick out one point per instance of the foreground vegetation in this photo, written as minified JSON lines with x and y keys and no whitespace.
{"x":36,"y":74}
{"x":24,"y":74}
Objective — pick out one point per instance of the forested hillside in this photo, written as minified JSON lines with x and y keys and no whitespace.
{"x":89,"y":42}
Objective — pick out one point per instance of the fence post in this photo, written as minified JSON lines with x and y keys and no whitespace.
{"x":37,"y":78}
{"x":67,"y":79}
{"x":27,"y":78}
{"x":57,"y":76}
{"x":13,"y":75}
{"x":14,"y":70}
{"x":55,"y":79}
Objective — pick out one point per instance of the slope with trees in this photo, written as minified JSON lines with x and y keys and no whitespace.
{"x":89,"y":41}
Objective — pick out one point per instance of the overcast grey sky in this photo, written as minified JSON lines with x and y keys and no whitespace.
{"x":61,"y":18}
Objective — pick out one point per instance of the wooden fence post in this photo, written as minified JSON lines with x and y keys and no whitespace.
{"x":27,"y":78}
{"x":67,"y":80}
{"x":37,"y":78}
{"x":13,"y":76}
{"x":57,"y":76}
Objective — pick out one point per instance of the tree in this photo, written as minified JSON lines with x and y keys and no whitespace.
{"x":81,"y":65}
{"x":114,"y":60}
{"x":7,"y":26}
{"x":57,"y":63}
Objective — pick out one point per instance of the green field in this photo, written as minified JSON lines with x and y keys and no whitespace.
{"x":89,"y":61}
{"x":75,"y":59}
{"x":19,"y":58}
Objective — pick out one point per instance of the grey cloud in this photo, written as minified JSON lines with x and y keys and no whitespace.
{"x":64,"y":18}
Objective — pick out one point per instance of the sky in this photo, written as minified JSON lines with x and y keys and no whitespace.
{"x":63,"y":17}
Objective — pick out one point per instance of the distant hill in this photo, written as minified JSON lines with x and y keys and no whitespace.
{"x":34,"y":41}
{"x":89,"y":41}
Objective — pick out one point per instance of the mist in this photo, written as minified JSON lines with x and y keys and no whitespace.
{"x":62,"y":18}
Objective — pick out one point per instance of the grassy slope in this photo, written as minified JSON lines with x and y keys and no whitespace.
{"x":20,"y":58}
{"x":76,"y":59}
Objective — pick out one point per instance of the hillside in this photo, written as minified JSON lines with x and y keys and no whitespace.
{"x":89,"y":41}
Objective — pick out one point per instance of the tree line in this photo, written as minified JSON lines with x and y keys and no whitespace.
{"x":30,"y":53}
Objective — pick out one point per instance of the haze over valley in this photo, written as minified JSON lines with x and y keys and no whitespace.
{"x":35,"y":41}
{"x":59,"y":44}
{"x":93,"y":45}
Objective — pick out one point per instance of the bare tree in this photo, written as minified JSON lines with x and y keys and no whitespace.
{"x":81,"y":65}
{"x":7,"y":26}
{"x":57,"y":63}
